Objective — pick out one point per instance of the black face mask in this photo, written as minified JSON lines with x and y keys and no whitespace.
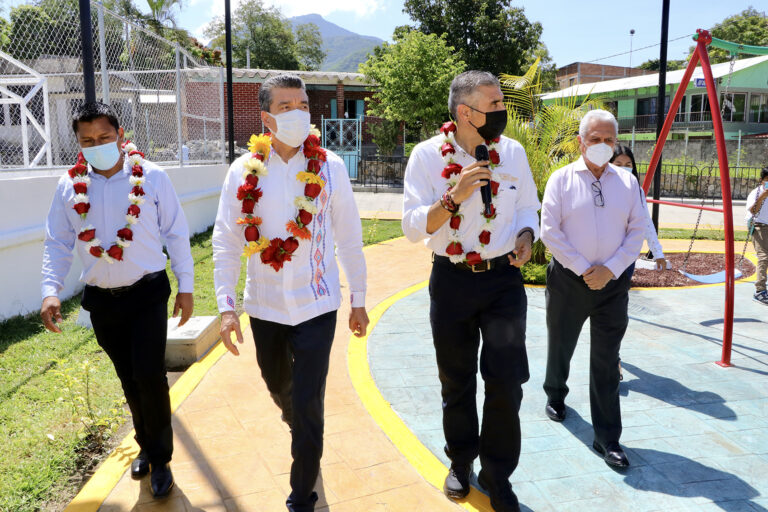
{"x":495,"y":122}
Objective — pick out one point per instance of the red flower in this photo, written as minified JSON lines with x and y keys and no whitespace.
{"x":77,"y":170}
{"x":496,"y":140}
{"x":248,"y":205}
{"x":136,"y":170}
{"x":125,"y":234}
{"x":289,"y":245}
{"x":454,"y":248}
{"x":135,"y":152}
{"x":134,"y":210}
{"x":96,"y":251}
{"x":272,"y":255}
{"x":485,"y":237}
{"x":252,"y":180}
{"x":314,"y":165}
{"x":258,"y":156}
{"x":304,"y":217}
{"x":493,"y":213}
{"x":312,"y":140}
{"x":244,"y":191}
{"x":447,"y":148}
{"x":81,"y":159}
{"x":314,"y":152}
{"x":251,"y":233}
{"x":80,"y":188}
{"x":473,"y":258}
{"x":87,"y":236}
{"x":451,"y":169}
{"x":82,"y":208}
{"x":312,"y":190}
{"x":116,"y":252}
{"x":137,"y":191}
{"x":455,"y":221}
{"x":494,"y":156}
{"x":494,"y":187}
{"x":448,"y":127}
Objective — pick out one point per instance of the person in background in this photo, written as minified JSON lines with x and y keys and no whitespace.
{"x":757,"y":211}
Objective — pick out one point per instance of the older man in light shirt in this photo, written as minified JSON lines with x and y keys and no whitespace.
{"x":592,"y":221}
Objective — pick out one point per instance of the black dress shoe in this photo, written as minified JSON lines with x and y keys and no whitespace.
{"x":161,"y":480}
{"x":555,"y":410}
{"x":140,"y":466}
{"x":457,"y":482}
{"x":503,"y":498}
{"x":612,"y":454}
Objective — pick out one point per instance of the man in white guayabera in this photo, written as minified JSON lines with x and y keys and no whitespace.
{"x":113,"y":193}
{"x":593,"y":223}
{"x":285,"y":205}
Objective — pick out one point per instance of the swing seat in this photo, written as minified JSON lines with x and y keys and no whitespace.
{"x":717,"y":277}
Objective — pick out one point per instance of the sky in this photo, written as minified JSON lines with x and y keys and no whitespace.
{"x":573,"y":31}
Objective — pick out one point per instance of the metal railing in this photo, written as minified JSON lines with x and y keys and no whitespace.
{"x":687,"y":181}
{"x":376,"y":171}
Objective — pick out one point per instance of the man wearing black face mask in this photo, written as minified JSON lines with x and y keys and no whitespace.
{"x":475,"y":286}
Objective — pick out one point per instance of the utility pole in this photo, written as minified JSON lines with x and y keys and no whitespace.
{"x":660,"y":101}
{"x":230,"y":104}
{"x":86,"y":34}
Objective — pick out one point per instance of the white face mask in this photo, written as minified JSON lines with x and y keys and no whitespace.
{"x":292,"y":127}
{"x":599,"y":154}
{"x":103,"y":157}
{"x":628,"y":169}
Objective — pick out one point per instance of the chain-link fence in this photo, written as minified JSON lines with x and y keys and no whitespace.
{"x":169,"y":102}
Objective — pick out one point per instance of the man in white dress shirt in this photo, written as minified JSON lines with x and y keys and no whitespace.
{"x":130,"y":200}
{"x":757,"y":210}
{"x":476,"y":286}
{"x":592,"y":221}
{"x":292,"y":302}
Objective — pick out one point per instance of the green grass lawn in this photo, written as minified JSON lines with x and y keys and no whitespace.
{"x":701,"y":234}
{"x":41,"y":437}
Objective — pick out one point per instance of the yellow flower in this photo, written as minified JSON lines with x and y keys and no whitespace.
{"x":260,"y":144}
{"x":252,"y":248}
{"x":310,"y":177}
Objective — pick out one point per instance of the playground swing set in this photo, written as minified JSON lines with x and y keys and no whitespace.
{"x":704,"y":39}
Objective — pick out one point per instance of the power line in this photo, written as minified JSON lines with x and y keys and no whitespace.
{"x":639,"y":49}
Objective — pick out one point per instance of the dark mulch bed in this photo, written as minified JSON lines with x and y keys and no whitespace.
{"x":698,"y":263}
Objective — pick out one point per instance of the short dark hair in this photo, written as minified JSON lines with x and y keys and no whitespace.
{"x":87,"y":112}
{"x":464,"y":84}
{"x":764,"y":173}
{"x":282,"y":81}
{"x":624,"y":150}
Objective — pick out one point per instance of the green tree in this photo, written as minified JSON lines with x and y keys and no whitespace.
{"x":488,"y":34}
{"x":547,"y":132}
{"x":672,"y":65}
{"x":413,"y":76}
{"x":309,"y":46}
{"x":749,"y":27}
{"x":384,"y":134}
{"x":5,"y":30}
{"x":162,"y":12}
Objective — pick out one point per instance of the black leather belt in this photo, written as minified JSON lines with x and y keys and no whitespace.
{"x":123,"y":289}
{"x":483,"y":266}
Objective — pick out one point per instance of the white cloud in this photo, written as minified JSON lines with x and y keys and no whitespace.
{"x":360,"y":8}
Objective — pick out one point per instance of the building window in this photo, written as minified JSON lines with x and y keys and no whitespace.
{"x":571,"y":82}
{"x":700,"y":110}
{"x":758,"y":108}
{"x":733,"y":106}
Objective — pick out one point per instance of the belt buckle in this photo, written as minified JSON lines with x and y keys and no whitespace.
{"x":476,"y":270}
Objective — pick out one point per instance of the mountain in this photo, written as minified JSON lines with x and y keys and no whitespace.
{"x":344,"y":49}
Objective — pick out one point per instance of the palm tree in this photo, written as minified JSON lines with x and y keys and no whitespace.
{"x":547,"y":132}
{"x":162,"y":13}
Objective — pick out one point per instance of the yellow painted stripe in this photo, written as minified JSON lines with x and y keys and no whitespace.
{"x":418,"y":455}
{"x":96,"y":490}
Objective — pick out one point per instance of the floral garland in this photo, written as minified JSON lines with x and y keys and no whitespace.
{"x":456,"y":247}
{"x":87,"y":234}
{"x":277,"y":251}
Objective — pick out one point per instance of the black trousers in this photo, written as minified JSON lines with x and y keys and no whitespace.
{"x":569,"y":303}
{"x":294,"y":364}
{"x":131,"y":327}
{"x":464,"y":305}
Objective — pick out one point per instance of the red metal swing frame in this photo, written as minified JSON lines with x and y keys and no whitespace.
{"x":701,"y":54}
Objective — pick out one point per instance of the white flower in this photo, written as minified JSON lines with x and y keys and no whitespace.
{"x":482,"y":251}
{"x":130,"y":219}
{"x":302,"y":203}
{"x":107,"y":257}
{"x":453,"y":236}
{"x":456,"y":258}
{"x":122,"y":242}
{"x":81,"y":198}
{"x":130,"y":147}
{"x":448,"y":158}
{"x":496,"y":177}
{"x":93,"y":243}
{"x":135,"y":160}
{"x":82,"y":179}
{"x":314,"y":131}
{"x":257,"y":166}
{"x":136,"y":181}
{"x":453,"y":181}
{"x":450,"y":138}
{"x":86,"y":228}
{"x":137,"y":200}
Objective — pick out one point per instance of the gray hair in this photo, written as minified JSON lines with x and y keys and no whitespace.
{"x":465,"y":84}
{"x":283,"y":81}
{"x":597,"y":115}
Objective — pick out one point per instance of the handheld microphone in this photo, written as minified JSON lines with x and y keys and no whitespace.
{"x":481,"y":153}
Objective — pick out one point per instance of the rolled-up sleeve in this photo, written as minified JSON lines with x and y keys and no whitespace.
{"x":348,"y":234}
{"x":59,"y":242}
{"x":175,"y":232}
{"x":528,"y":205}
{"x":227,"y":241}
{"x":418,"y":197}
{"x":551,"y":232}
{"x":630,"y":248}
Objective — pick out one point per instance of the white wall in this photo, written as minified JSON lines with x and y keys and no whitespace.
{"x":24,"y":204}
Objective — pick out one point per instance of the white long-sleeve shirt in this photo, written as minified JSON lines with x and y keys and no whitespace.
{"x":161,"y":221}
{"x":308,"y":285}
{"x":580,"y":234}
{"x":517,"y":202}
{"x":762,"y":215}
{"x":650,"y":233}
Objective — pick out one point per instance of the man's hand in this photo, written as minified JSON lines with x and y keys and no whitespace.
{"x":471,"y":178}
{"x":522,"y":250}
{"x":50,"y":312}
{"x":186,"y":303}
{"x":597,"y":276}
{"x":358,"y":322}
{"x":230,"y":323}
